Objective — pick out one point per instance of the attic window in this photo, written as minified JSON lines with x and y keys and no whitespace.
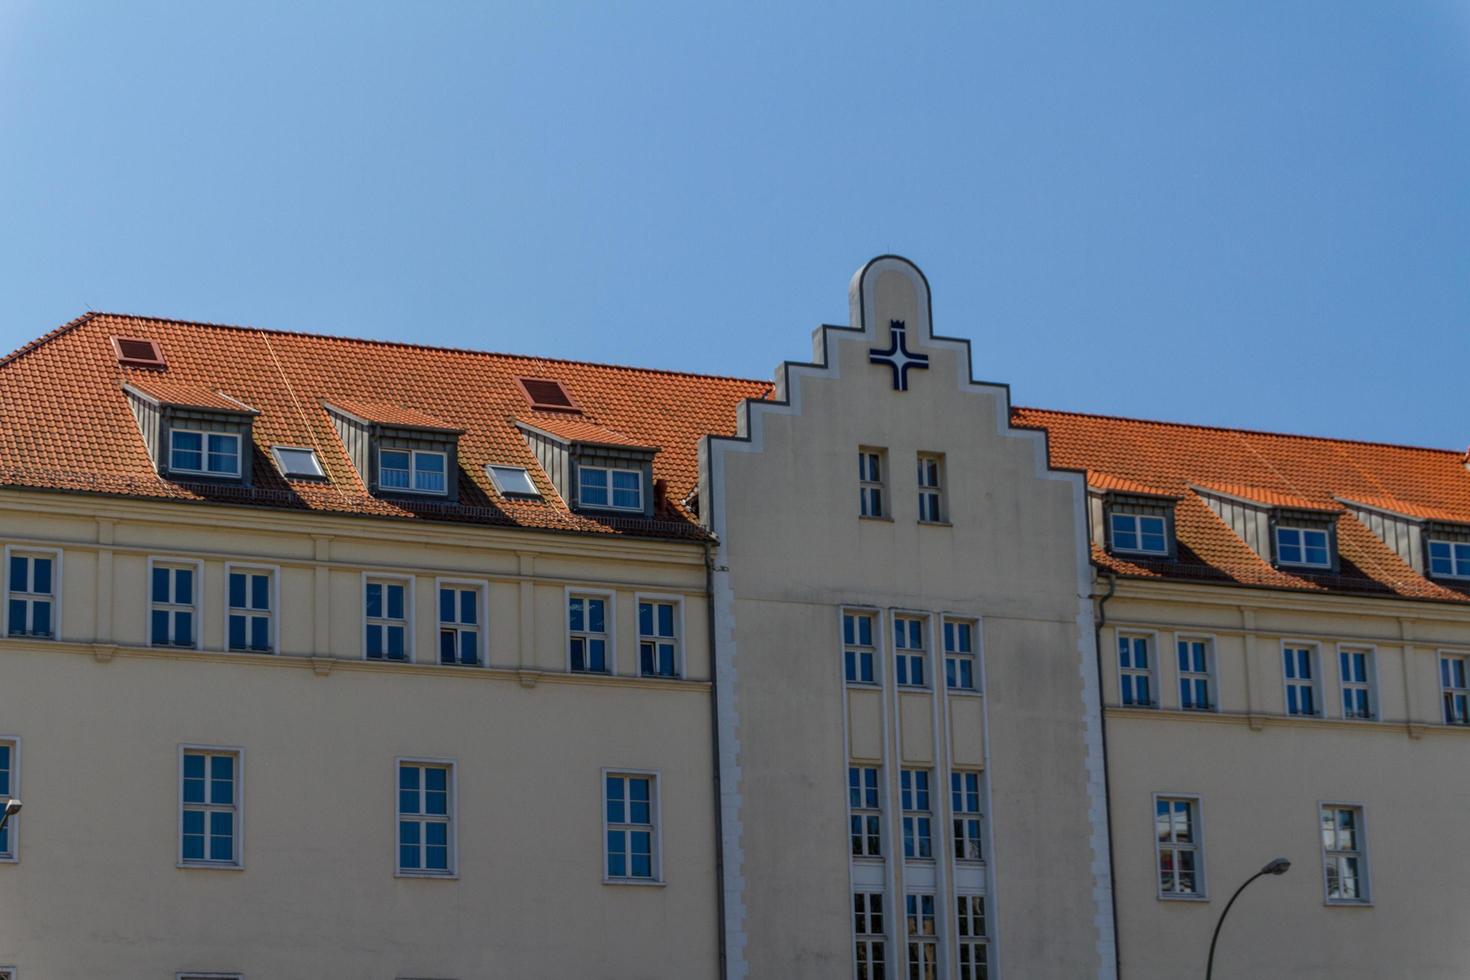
{"x":513,"y":481}
{"x":138,"y":352}
{"x":298,"y":463}
{"x":1305,"y":546}
{"x":547,"y":395}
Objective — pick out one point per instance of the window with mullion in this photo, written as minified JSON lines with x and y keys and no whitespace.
{"x":425,"y":817}
{"x":1454,"y":676}
{"x":587,"y":634}
{"x":31,"y":595}
{"x":1344,"y":862}
{"x":865,"y":811}
{"x":931,"y":488}
{"x":870,"y":959}
{"x":459,"y":625}
{"x":1305,"y":546}
{"x":918,"y":817}
{"x":173,"y":613}
{"x":1176,"y":832}
{"x":7,"y":790}
{"x":658,"y":639}
{"x":1449,"y":559}
{"x":412,"y":471}
{"x":974,"y":940}
{"x":1195,"y":679}
{"x":1298,"y":664}
{"x":871,"y":492}
{"x":1145,"y":534}
{"x":205,"y":453}
{"x":964,"y":804}
{"x":908,"y":651}
{"x":1355,"y":673}
{"x":632,"y":837}
{"x":250,"y":593}
{"x":923,"y":937}
{"x":602,"y":486}
{"x":386,"y":608}
{"x":209,"y":799}
{"x":1135,"y":671}
{"x":859,"y":654}
{"x":959,"y":655}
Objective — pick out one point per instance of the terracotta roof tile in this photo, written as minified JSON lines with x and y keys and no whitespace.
{"x":385,"y":413}
{"x":1117,"y":484}
{"x":1267,"y":497}
{"x":573,"y":429}
{"x":186,"y":395}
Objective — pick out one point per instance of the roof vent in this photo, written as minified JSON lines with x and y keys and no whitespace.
{"x":138,"y":352}
{"x":547,"y":395}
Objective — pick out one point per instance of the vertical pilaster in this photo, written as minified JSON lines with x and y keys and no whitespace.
{"x":103,"y":626}
{"x":321,"y":606}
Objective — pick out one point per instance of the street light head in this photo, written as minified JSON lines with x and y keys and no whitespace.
{"x":1277,"y":867}
{"x":12,"y":807}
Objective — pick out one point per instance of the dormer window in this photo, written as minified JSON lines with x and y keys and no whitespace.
{"x":592,"y":467}
{"x":1309,"y":547}
{"x":204,"y":453}
{"x":193,"y":433}
{"x":411,"y":470}
{"x":617,"y":489}
{"x":1143,"y":534}
{"x":1131,"y":518}
{"x":398,"y":450}
{"x":1449,"y":559}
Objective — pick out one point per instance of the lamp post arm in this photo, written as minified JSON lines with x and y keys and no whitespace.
{"x":1210,"y":964}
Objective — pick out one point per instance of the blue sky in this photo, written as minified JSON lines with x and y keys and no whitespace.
{"x":1251,"y":214}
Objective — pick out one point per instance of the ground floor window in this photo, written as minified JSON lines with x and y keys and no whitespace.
{"x":867,"y":927}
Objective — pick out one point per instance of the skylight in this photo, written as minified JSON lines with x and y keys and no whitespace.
{"x":547,"y":395}
{"x":513,"y":481}
{"x":298,"y":463}
{"x":138,"y":352}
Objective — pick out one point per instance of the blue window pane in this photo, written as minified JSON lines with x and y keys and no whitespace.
{"x":436,"y":779}
{"x":183,"y":628}
{"x":237,"y":590}
{"x":408,"y":857}
{"x":408,"y":777}
{"x":375,"y":642}
{"x":17,"y":615}
{"x":237,"y":632}
{"x":469,"y":648}
{"x":41,"y":576}
{"x":408,"y":801}
{"x":160,"y":584}
{"x":408,"y":832}
{"x":224,"y":454}
{"x":222,"y":767}
{"x":617,"y":861}
{"x":436,"y":834}
{"x":19,"y":574}
{"x":41,"y":618}
{"x":194,"y":845}
{"x":222,"y":839}
{"x":642,"y":866}
{"x":193,"y":790}
{"x":446,"y":646}
{"x":597,"y":651}
{"x":596,"y":608}
{"x":374,"y":600}
{"x":395,"y":642}
{"x":666,"y":620}
{"x":848,"y":629}
{"x":436,"y":858}
{"x":260,"y":633}
{"x":194,"y":767}
{"x":186,"y":450}
{"x":395,"y":601}
{"x":260,"y":591}
{"x":645,"y":618}
{"x":469,"y":613}
{"x":579,"y":653}
{"x":194,"y":822}
{"x":184,"y":586}
{"x":575,"y":619}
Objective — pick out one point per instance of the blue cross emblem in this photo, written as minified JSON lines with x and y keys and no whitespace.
{"x":897,"y":356}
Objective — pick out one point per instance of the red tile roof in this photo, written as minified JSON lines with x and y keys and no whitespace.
{"x":1117,"y":484}
{"x":65,"y":422}
{"x":186,"y":395}
{"x":573,"y":429}
{"x":1297,"y":472}
{"x":385,"y":413}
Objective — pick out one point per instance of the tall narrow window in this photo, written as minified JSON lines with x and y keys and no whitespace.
{"x":959,"y":655}
{"x":867,"y":927}
{"x":1355,"y":669}
{"x":459,"y":625}
{"x":32,"y":595}
{"x":7,"y":791}
{"x":250,"y":610}
{"x":1194,"y":676}
{"x":1449,"y":559}
{"x":871,"y":496}
{"x":908,"y":651}
{"x":1454,"y":676}
{"x":864,"y":811}
{"x":923,"y":939}
{"x":918,"y":817}
{"x":974,"y":940}
{"x":964,"y":802}
{"x":632,"y":836}
{"x":1135,"y":671}
{"x":1298,"y":664}
{"x":931,"y":488}
{"x":1343,"y":854}
{"x":412,"y":471}
{"x":658,"y":639}
{"x":173,"y":610}
{"x":1310,"y":547}
{"x":858,"y":651}
{"x":1176,"y":829}
{"x":386,"y":603}
{"x":587,"y":633}
{"x":209,"y":797}
{"x":425,"y":819}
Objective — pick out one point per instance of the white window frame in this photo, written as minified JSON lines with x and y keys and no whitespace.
{"x":413,"y":471}
{"x":1303,"y":531}
{"x":656,"y":843}
{"x":931,"y":496}
{"x":205,"y":435}
{"x":960,"y":838}
{"x":973,"y":656}
{"x":1454,"y":546}
{"x":451,"y":837}
{"x":1365,"y":879}
{"x":1369,"y":684}
{"x":610,"y":626}
{"x":275,"y":610}
{"x":1137,"y":520}
{"x":869,"y":940}
{"x":198,"y":607}
{"x":56,"y":581}
{"x":316,"y":460}
{"x":907,"y":655}
{"x":1201,"y":880}
{"x":238,"y":864}
{"x":909,"y":817}
{"x":493,"y":470}
{"x":1313,"y":684}
{"x":482,"y":610}
{"x":677,"y":601}
{"x":864,"y":812}
{"x":1457,"y":696}
{"x":977,"y":942}
{"x":1209,"y":675}
{"x":12,"y":826}
{"x":1151,"y":673}
{"x":869,"y":489}
{"x":409,"y":602}
{"x":608,"y":472}
{"x":858,"y":650}
{"x":916,"y":940}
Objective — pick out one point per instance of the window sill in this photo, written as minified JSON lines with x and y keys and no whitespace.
{"x":912,"y":687}
{"x":253,"y":653}
{"x":637,"y":882}
{"x":964,"y":692}
{"x":934,"y":523}
{"x":875,"y":517}
{"x":865,"y":685}
{"x":207,"y":866}
{"x":23,"y":635}
{"x":1188,"y":899}
{"x":1366,"y":903}
{"x":385,"y":660}
{"x":428,"y":875}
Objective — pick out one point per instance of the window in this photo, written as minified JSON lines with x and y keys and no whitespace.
{"x":1303,"y":546}
{"x":386,"y":606}
{"x":918,"y":821}
{"x":1454,"y":675}
{"x":8,"y":787}
{"x":425,"y":818}
{"x":31,"y":597}
{"x":867,"y":927}
{"x":923,"y":941}
{"x":1194,"y":675}
{"x":931,"y":488}
{"x":1141,"y":533}
{"x":412,"y":471}
{"x":209,"y":797}
{"x":174,"y":607}
{"x":1176,"y":830}
{"x":658,"y":639}
{"x":513,"y":481}
{"x":973,"y":939}
{"x":1449,"y":559}
{"x":459,"y":624}
{"x":298,"y":462}
{"x":864,"y":811}
{"x":908,"y":650}
{"x":1343,"y":859}
{"x":1355,"y":672}
{"x":964,"y":802}
{"x":587,"y":629}
{"x":631,"y":829}
{"x":858,"y":652}
{"x":600,"y":486}
{"x":206,"y":453}
{"x":871,"y":499}
{"x":1299,"y":668}
{"x":959,"y":655}
{"x":250,"y":600}
{"x":1135,"y":671}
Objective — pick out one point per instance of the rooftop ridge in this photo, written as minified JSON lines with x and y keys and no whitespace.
{"x":47,"y":337}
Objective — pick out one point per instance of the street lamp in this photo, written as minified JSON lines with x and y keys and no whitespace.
{"x":12,"y":807}
{"x":1276,"y":867}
